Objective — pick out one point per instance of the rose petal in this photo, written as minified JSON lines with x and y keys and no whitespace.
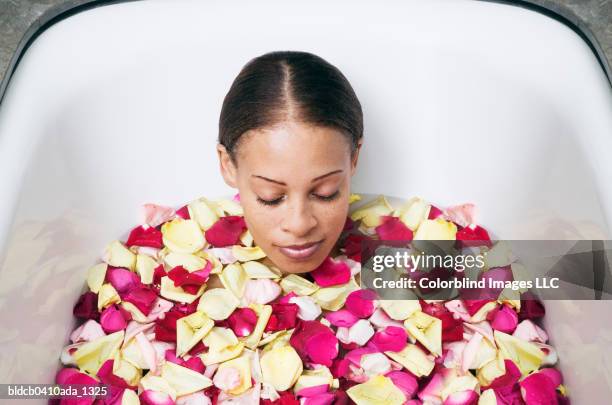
{"x":392,"y":228}
{"x":361,"y":303}
{"x":261,"y":291}
{"x":391,"y":338}
{"x":226,"y":231}
{"x":505,"y":320}
{"x":331,"y":272}
{"x":341,"y":317}
{"x":308,"y":309}
{"x":145,"y":235}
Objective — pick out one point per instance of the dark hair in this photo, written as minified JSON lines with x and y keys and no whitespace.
{"x":289,"y":85}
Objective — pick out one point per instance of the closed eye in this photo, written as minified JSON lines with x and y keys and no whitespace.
{"x":278,"y":200}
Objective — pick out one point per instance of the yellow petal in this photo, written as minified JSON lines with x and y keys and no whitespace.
{"x":276,"y":339}
{"x":354,"y":198}
{"x":370,"y":213}
{"x":95,"y":276}
{"x":400,"y":309}
{"x":129,"y":397}
{"x":298,"y":285}
{"x":137,"y":315}
{"x":132,"y":353}
{"x":427,"y":330}
{"x":107,"y":295}
{"x":218,"y":303}
{"x":184,"y":380}
{"x":92,"y":355}
{"x":243,"y":366}
{"x":527,"y":356}
{"x":378,"y":390}
{"x":436,"y":229}
{"x":263,"y":316}
{"x":183,"y":236}
{"x":157,"y":383}
{"x":487,"y":398}
{"x":190,"y":330}
{"x":217,"y":266}
{"x":204,"y":212}
{"x":333,"y":298}
{"x":413,"y":212}
{"x":482,"y":312}
{"x":255,"y":269}
{"x":212,"y":357}
{"x":234,"y":278}
{"x":169,"y":291}
{"x":246,"y":238}
{"x":491,"y":370}
{"x":312,"y":378}
{"x":126,"y":370}
{"x":414,"y":359}
{"x":459,"y":383}
{"x":189,"y":262}
{"x":244,"y":254}
{"x":230,"y":207}
{"x":116,"y":254}
{"x":145,"y":267}
{"x":281,"y":367}
{"x":219,"y":338}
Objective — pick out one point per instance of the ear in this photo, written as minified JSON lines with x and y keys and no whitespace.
{"x":356,"y":157}
{"x":228,"y":170}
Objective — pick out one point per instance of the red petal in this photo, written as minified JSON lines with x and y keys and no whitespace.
{"x":142,"y":297}
{"x":242,"y":321}
{"x":392,"y":228}
{"x":105,"y":373}
{"x":226,"y":231}
{"x":183,"y":212}
{"x":391,"y":338}
{"x":284,"y":316}
{"x":473,"y":235}
{"x":149,"y":236}
{"x":538,"y":389}
{"x":331,"y":272}
{"x":87,"y":306}
{"x":435,"y":212}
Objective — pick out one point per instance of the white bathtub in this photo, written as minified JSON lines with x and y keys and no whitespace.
{"x":463,"y":101}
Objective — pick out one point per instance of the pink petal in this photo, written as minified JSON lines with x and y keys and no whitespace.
{"x":183,"y":212}
{"x":150,"y":397}
{"x":432,"y":391}
{"x":122,"y":279}
{"x":405,"y":381}
{"x":227,"y":378}
{"x":380,"y":319}
{"x":538,"y":389}
{"x":392,"y":228}
{"x":145,"y":235}
{"x":261,"y":291}
{"x":361,"y":303}
{"x":312,"y":391}
{"x":236,"y":197}
{"x":157,"y":214}
{"x":133,"y":328}
{"x":331,"y":272}
{"x":195,"y":363}
{"x":112,"y":320}
{"x":530,"y":332}
{"x":458,"y":309}
{"x":65,"y":374}
{"x":391,"y":338}
{"x":224,"y":254}
{"x":314,"y":342}
{"x":462,"y":215}
{"x":197,"y":398}
{"x":321,"y":399}
{"x":506,"y":382}
{"x":90,"y":330}
{"x":226,"y":231}
{"x":468,"y":397}
{"x":505,"y":320}
{"x":354,"y":356}
{"x":341,"y":317}
{"x":553,"y":374}
{"x":435,"y":213}
{"x":160,"y":307}
{"x":471,"y":351}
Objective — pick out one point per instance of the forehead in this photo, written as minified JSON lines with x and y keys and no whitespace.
{"x":290,"y":148}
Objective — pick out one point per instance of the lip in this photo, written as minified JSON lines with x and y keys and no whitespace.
{"x":300,"y":252}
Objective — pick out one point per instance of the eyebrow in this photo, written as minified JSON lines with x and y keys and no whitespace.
{"x":284,"y":184}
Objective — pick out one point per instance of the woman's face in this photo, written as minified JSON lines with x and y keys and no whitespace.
{"x":294,"y":185}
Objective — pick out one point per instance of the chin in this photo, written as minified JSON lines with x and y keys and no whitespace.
{"x":289,"y":266}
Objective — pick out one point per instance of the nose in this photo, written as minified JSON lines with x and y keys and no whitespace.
{"x":299,"y":219}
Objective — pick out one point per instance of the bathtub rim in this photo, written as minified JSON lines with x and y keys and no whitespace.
{"x":70,"y":8}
